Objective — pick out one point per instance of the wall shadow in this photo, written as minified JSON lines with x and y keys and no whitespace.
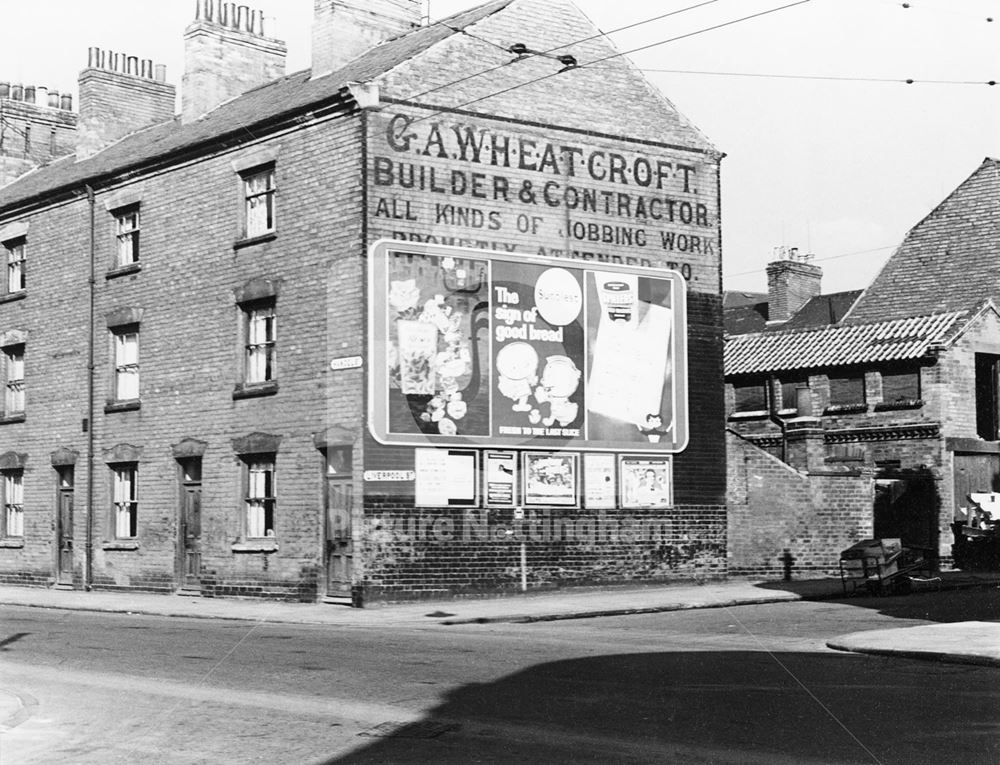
{"x":710,"y":707}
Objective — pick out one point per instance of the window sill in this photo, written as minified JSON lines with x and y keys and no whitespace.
{"x":122,"y":406}
{"x":10,"y":419}
{"x":252,"y":240}
{"x":10,"y":297}
{"x":122,"y":544}
{"x":261,"y":546}
{"x":131,"y":268}
{"x":886,"y":406}
{"x":846,"y":409}
{"x":14,"y":543}
{"x":255,"y":390}
{"x":758,"y":414}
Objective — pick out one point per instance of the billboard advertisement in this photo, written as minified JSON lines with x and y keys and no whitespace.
{"x":472,"y":347}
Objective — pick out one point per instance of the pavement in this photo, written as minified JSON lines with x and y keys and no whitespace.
{"x":966,"y":642}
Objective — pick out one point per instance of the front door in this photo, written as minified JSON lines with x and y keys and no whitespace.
{"x":339,"y":541}
{"x":64,"y":528}
{"x":189,"y":526}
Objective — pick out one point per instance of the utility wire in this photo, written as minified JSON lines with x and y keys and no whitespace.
{"x":825,"y":258}
{"x":906,"y":81}
{"x":551,"y":50}
{"x":612,"y":56}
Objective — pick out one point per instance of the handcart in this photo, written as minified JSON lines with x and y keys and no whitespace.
{"x":883,"y":566}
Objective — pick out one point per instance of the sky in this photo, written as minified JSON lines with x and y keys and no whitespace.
{"x":831,"y":151}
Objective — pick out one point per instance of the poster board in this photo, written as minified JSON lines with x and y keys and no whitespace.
{"x":645,"y":481}
{"x":550,"y":479}
{"x":478,"y":348}
{"x":446,"y":477}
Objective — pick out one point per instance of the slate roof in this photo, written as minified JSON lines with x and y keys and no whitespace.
{"x":287,"y":95}
{"x":741,"y":319}
{"x":949,"y":261}
{"x":839,"y":345}
{"x":822,"y":310}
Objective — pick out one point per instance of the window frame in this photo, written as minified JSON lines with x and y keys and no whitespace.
{"x":761,"y":384}
{"x":260,"y":353}
{"x":127,"y":237}
{"x":120,"y":366}
{"x":16,"y":255}
{"x":13,"y":503}
{"x":256,"y":499}
{"x":251,"y":196}
{"x":855,"y":405}
{"x":122,"y":506}
{"x":13,"y":357}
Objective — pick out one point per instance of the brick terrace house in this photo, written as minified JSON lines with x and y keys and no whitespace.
{"x":871,"y":413}
{"x":183,"y":308}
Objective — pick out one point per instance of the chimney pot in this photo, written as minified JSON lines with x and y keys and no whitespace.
{"x":160,"y":73}
{"x":17,"y":92}
{"x":54,"y":99}
{"x":133,"y":65}
{"x":66,"y":102}
{"x":4,"y":90}
{"x":42,"y":96}
{"x":29,"y":94}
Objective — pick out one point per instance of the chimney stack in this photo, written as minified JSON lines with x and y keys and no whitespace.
{"x":791,"y":282}
{"x":342,"y":31}
{"x":119,"y":94}
{"x":226,"y":53}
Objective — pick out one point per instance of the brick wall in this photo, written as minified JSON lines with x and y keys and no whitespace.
{"x":774,"y":508}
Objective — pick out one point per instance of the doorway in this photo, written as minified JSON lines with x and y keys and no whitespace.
{"x":338,"y":498}
{"x":189,"y":525}
{"x":64,"y":526}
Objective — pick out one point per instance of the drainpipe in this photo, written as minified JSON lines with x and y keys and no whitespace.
{"x":88,"y":572}
{"x":772,"y":415}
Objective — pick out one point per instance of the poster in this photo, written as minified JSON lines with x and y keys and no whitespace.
{"x":645,"y":482}
{"x":538,"y":346}
{"x":445,"y":477}
{"x":550,"y":478}
{"x":599,"y":485}
{"x":500,"y":476}
{"x":486,"y":349}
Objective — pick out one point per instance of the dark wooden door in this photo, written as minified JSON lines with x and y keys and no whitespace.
{"x":339,"y":537}
{"x":64,"y":535}
{"x":974,"y":473}
{"x":191,"y":536}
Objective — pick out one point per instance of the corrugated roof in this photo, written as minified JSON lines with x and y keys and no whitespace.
{"x":289,"y":94}
{"x":838,"y":345}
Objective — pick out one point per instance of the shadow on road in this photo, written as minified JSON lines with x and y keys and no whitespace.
{"x":955,"y":605}
{"x":708,"y":707}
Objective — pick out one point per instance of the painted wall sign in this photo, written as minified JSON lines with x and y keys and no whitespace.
{"x":389,"y":475}
{"x":489,"y":349}
{"x":346,"y":362}
{"x":514,"y":188}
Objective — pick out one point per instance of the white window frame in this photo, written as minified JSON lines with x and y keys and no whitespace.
{"x":16,"y":266}
{"x":13,"y":380}
{"x":261,"y":333}
{"x":127,"y":229}
{"x":125,"y":500}
{"x":260,"y":502}
{"x":126,"y":364}
{"x":13,"y":503}
{"x":259,"y":192}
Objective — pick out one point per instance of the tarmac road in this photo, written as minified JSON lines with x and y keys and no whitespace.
{"x":747,"y":684}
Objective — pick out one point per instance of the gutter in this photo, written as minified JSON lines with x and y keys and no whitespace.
{"x":88,"y":573}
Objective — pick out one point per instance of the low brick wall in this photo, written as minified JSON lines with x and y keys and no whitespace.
{"x":776,"y":511}
{"x":428,"y":552}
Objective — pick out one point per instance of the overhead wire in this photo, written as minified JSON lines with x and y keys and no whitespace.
{"x":832,"y":78}
{"x":824,"y":259}
{"x":612,"y":56}
{"x":551,"y":50}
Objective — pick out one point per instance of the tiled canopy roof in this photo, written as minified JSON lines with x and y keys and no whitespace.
{"x":838,"y":345}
